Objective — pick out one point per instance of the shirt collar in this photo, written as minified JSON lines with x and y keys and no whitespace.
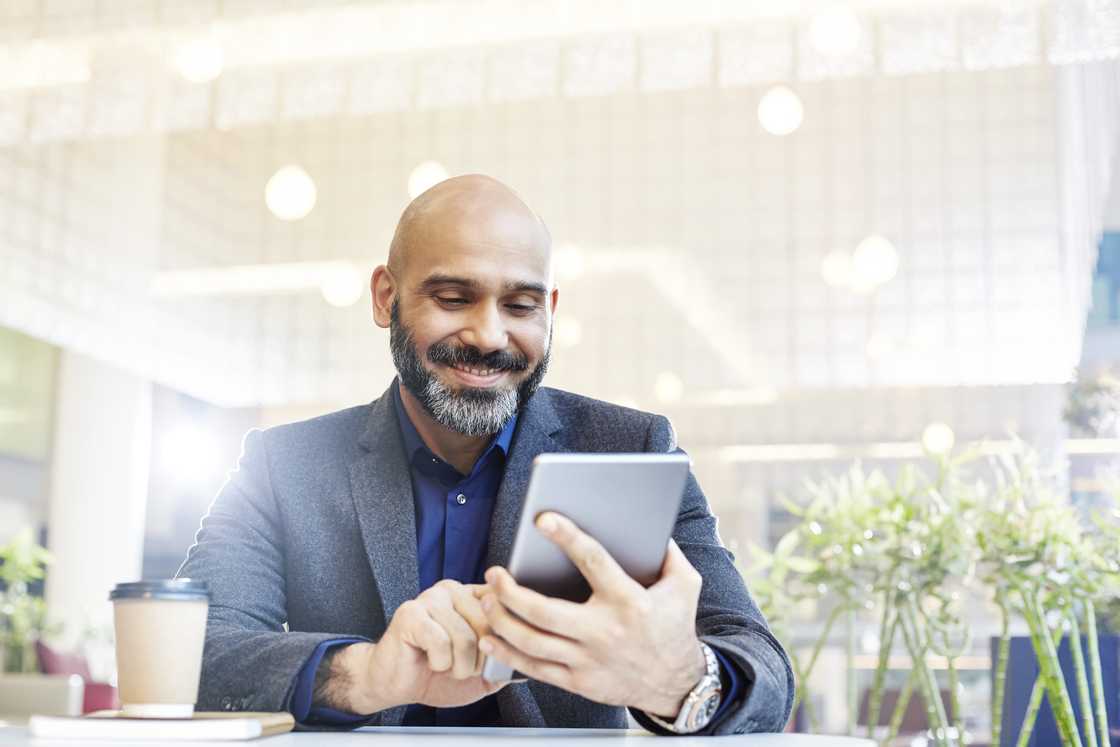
{"x":413,"y":442}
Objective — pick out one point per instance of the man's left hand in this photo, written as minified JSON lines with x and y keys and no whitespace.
{"x":626,"y":645}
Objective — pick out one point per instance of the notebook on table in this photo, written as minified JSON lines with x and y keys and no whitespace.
{"x":205,"y":725}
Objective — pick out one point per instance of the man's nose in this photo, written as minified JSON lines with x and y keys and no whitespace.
{"x":486,"y":329}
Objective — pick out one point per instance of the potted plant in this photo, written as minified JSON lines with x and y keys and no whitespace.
{"x":907,"y":556}
{"x":22,"y":615}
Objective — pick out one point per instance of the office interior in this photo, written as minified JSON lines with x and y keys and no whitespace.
{"x":815,"y":235}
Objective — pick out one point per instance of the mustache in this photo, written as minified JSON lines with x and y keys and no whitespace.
{"x":468,"y":355}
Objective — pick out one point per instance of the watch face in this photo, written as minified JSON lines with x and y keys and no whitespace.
{"x":704,"y":711}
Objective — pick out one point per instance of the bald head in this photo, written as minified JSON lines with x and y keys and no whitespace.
{"x":472,"y":208}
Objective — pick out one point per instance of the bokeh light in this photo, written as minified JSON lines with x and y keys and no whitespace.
{"x":780,"y":111}
{"x":290,"y":193}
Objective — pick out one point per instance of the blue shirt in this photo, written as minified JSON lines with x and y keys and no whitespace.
{"x":452,"y":532}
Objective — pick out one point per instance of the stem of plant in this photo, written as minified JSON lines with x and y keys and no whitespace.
{"x":927,"y":683}
{"x":955,"y":699}
{"x":999,"y":686}
{"x":924,"y":645}
{"x":1033,"y":705}
{"x":1099,"y":707}
{"x":887,"y":628}
{"x":900,"y":707}
{"x":850,"y":663}
{"x":800,"y":696}
{"x":802,"y":693}
{"x":1047,"y":654}
{"x":1089,"y":733}
{"x":822,"y":639}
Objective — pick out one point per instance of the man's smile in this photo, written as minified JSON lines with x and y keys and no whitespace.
{"x":478,"y":377}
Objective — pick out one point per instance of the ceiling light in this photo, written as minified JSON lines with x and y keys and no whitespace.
{"x":938,"y":438}
{"x":836,"y":268}
{"x":342,"y":285}
{"x":569,"y":332}
{"x":874,"y":262}
{"x":424,"y":177}
{"x":199,"y":61}
{"x":290,"y":194}
{"x":668,"y":387}
{"x":780,"y":111}
{"x":835,"y":31}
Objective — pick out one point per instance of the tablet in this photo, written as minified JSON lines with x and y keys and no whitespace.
{"x":628,"y":502}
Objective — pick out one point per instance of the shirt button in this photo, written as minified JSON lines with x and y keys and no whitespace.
{"x":460,"y":499}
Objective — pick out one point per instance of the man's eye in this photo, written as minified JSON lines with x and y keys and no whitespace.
{"x":451,"y":301}
{"x":520,"y":308}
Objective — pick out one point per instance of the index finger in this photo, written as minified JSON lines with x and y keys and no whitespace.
{"x":466,"y":603}
{"x":602,"y":572}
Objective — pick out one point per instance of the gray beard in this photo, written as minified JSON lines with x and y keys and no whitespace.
{"x":471,"y":412}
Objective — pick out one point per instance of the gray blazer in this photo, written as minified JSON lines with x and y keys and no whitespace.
{"x":315,"y":531}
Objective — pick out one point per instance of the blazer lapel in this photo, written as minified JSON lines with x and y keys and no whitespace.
{"x":535,"y":428}
{"x":381,"y":486}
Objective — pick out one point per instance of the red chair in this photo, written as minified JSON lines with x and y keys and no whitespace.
{"x":99,"y":696}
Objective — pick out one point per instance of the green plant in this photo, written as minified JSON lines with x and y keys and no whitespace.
{"x":22,"y":616}
{"x":1043,"y":562}
{"x":910,"y":553}
{"x":865,"y":545}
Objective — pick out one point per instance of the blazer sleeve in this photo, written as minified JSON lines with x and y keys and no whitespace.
{"x":727,"y":619}
{"x":249,"y":662}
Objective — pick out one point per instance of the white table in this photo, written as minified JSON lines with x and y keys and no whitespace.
{"x":381,"y":736}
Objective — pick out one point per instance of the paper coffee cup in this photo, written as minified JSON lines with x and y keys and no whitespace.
{"x":160,"y":628}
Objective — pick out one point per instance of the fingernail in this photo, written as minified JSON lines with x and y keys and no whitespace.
{"x":546,"y":523}
{"x":485,"y":646}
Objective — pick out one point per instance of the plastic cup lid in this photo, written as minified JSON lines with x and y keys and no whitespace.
{"x":181,"y":589}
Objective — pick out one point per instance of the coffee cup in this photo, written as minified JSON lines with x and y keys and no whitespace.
{"x":160,"y":628}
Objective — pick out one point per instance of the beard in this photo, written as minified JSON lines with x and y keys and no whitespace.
{"x":471,"y":411}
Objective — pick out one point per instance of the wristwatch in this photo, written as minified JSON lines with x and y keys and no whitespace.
{"x":701,"y":702}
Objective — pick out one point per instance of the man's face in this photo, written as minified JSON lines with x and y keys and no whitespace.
{"x":470,"y":328}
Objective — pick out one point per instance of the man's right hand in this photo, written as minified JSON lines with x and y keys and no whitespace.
{"x":428,"y":654}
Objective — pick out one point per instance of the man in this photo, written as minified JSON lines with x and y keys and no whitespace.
{"x":377,"y":535}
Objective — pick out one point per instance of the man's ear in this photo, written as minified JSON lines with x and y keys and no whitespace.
{"x":383,"y":290}
{"x":553,"y":298}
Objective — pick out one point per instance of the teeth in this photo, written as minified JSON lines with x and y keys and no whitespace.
{"x":476,"y":371}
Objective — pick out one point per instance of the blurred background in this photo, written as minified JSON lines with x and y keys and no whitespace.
{"x":808,"y":232}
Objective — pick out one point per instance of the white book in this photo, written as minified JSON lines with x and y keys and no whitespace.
{"x":204,"y":726}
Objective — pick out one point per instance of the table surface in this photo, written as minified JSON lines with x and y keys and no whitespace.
{"x":413,"y":736}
